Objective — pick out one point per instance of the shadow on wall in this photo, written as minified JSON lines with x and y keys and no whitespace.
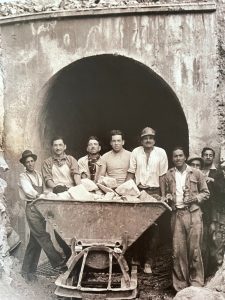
{"x":96,"y":94}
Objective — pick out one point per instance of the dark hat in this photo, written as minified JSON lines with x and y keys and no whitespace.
{"x":27,"y":153}
{"x":147,"y":131}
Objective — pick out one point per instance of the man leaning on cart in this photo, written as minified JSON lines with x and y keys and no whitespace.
{"x":30,"y":188}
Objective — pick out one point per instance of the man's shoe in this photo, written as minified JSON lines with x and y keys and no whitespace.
{"x":29,"y":277}
{"x":62,"y":267}
{"x":147,"y":268}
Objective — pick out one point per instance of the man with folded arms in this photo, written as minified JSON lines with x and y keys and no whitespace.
{"x":60,"y":171}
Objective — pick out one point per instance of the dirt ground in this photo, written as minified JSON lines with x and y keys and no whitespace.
{"x":155,"y":286}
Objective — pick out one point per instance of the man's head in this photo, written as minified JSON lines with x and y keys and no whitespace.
{"x":208,"y":155}
{"x":148,"y":138}
{"x":117,"y":140}
{"x":195,"y":162}
{"x":28,"y":159}
{"x":93,"y":145}
{"x":178,"y":157}
{"x":58,"y":145}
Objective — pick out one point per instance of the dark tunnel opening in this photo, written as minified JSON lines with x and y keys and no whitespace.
{"x":99,"y":93}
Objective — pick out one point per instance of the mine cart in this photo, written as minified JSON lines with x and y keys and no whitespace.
{"x":99,"y":233}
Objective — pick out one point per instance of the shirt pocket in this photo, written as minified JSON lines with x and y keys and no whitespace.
{"x":193,"y":185}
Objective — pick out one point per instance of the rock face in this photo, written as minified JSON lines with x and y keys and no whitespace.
{"x":195,"y":293}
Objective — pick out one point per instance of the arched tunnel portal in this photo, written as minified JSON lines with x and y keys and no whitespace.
{"x":96,"y":94}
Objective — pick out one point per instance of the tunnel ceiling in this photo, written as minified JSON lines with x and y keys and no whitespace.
{"x":96,"y":94}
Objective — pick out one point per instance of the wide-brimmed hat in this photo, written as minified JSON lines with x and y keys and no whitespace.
{"x":27,"y":153}
{"x":194,"y":157}
{"x":147,"y":131}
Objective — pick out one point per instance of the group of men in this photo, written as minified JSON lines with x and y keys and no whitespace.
{"x":185,"y":188}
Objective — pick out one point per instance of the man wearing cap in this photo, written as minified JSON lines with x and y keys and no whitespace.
{"x":115,"y":163}
{"x":148,"y":166}
{"x":30,"y":187}
{"x":89,"y":165}
{"x":195,"y":161}
{"x":186,"y":189}
{"x":60,"y":171}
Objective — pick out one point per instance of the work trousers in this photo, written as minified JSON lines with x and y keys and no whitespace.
{"x":146,"y":246}
{"x":39,"y":239}
{"x":187,"y":229}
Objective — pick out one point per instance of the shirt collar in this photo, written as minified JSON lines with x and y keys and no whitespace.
{"x":55,"y":158}
{"x":188,"y":169}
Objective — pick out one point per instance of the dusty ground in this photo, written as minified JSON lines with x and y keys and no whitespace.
{"x":154,"y":286}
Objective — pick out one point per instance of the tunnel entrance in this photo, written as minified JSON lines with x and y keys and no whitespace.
{"x":99,"y":93}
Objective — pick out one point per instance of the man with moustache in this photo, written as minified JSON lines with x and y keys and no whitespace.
{"x":148,"y":166}
{"x":186,"y":189}
{"x":89,"y":164}
{"x":60,"y":171}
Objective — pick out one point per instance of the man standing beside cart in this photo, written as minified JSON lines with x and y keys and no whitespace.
{"x":148,"y":166}
{"x":60,"y":171}
{"x":186,"y":190}
{"x":30,"y":188}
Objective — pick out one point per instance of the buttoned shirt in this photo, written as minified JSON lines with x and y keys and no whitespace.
{"x":83,"y":166}
{"x":58,"y":162}
{"x":147,"y":173}
{"x":180,"y":178}
{"x":27,"y":181}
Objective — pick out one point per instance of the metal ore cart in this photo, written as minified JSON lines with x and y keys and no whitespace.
{"x":99,"y":233}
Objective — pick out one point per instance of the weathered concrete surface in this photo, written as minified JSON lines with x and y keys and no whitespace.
{"x":180,"y":48}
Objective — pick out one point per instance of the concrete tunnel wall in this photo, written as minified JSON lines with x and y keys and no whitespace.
{"x":96,"y":94}
{"x":171,"y":55}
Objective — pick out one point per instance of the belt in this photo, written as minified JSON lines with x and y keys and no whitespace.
{"x":149,"y":188}
{"x":182,"y":208}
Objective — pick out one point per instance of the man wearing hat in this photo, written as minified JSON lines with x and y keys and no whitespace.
{"x":195,"y":161}
{"x":30,"y":187}
{"x":148,"y":166}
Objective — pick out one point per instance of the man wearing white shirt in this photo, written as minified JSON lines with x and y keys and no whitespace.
{"x":186,"y":189}
{"x":148,"y":166}
{"x":30,"y":187}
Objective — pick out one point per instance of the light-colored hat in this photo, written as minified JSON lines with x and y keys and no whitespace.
{"x":147,"y":131}
{"x":193,"y":157}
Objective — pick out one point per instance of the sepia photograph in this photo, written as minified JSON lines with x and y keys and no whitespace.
{"x":112,"y":149}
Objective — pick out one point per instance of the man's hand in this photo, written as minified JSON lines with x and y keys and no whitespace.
{"x":59,"y":189}
{"x":167,"y":198}
{"x":190,"y":200}
{"x":209,"y":179}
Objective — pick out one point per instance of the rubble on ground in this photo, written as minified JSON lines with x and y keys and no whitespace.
{"x":22,"y":7}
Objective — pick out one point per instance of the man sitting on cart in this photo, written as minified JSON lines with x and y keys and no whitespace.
{"x":30,"y":187}
{"x":60,"y":171}
{"x":115,"y":163}
{"x":89,"y":164}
